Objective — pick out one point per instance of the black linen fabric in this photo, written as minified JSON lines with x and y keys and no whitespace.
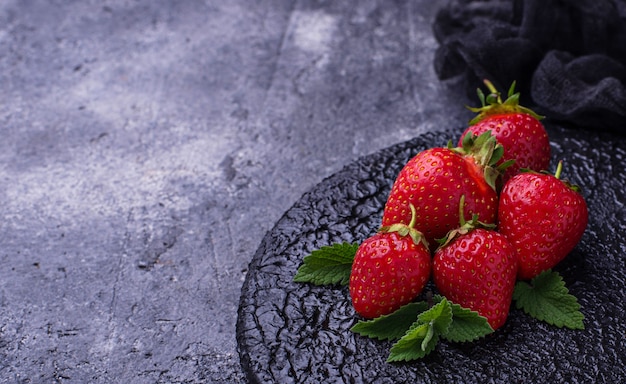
{"x":568,"y":57}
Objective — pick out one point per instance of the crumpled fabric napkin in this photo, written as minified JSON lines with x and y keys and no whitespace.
{"x":568,"y":57}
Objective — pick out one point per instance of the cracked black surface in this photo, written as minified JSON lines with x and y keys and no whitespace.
{"x":299,"y":333}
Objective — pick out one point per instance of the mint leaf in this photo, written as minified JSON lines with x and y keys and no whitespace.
{"x":547,"y":299}
{"x":392,"y":326}
{"x":328,"y":265}
{"x":424,"y":334}
{"x":440,"y":315}
{"x":467,"y":325}
{"x":413,"y":345}
{"x":419,"y":328}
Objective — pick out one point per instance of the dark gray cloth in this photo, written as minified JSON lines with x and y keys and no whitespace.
{"x":567,"y":56}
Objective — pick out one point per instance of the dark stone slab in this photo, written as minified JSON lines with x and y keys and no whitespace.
{"x":298,"y":333}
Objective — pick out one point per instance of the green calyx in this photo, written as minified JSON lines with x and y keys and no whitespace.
{"x":486,"y":152}
{"x":557,"y":175}
{"x":407,"y":230}
{"x":464,"y":226}
{"x":492,"y":104}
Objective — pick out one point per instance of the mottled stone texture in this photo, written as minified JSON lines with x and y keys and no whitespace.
{"x":146,"y":147}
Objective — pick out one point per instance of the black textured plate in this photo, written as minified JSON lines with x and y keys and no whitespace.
{"x":298,"y":333}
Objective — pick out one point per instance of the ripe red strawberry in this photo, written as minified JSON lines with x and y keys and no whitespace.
{"x":543,"y":217}
{"x":389,"y":270}
{"x":476,"y":268}
{"x":517,"y":128}
{"x":435,"y":179}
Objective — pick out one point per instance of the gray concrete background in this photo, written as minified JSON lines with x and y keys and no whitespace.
{"x":146,"y":147}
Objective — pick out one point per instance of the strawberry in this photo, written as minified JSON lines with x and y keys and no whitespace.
{"x":543,"y":217}
{"x":389,"y":270}
{"x":435,"y":179}
{"x":517,"y":128}
{"x":476,"y":267}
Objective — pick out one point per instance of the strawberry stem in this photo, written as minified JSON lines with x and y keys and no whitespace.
{"x":559,"y":168}
{"x":493,"y":90}
{"x":461,"y":213}
{"x":407,"y":230}
{"x":413,"y":216}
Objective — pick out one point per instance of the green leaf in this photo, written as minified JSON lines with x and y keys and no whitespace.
{"x":413,"y":345}
{"x":439,"y":314}
{"x":424,"y":334}
{"x":392,"y":326}
{"x":467,"y":325}
{"x":328,"y":265}
{"x":547,"y":299}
